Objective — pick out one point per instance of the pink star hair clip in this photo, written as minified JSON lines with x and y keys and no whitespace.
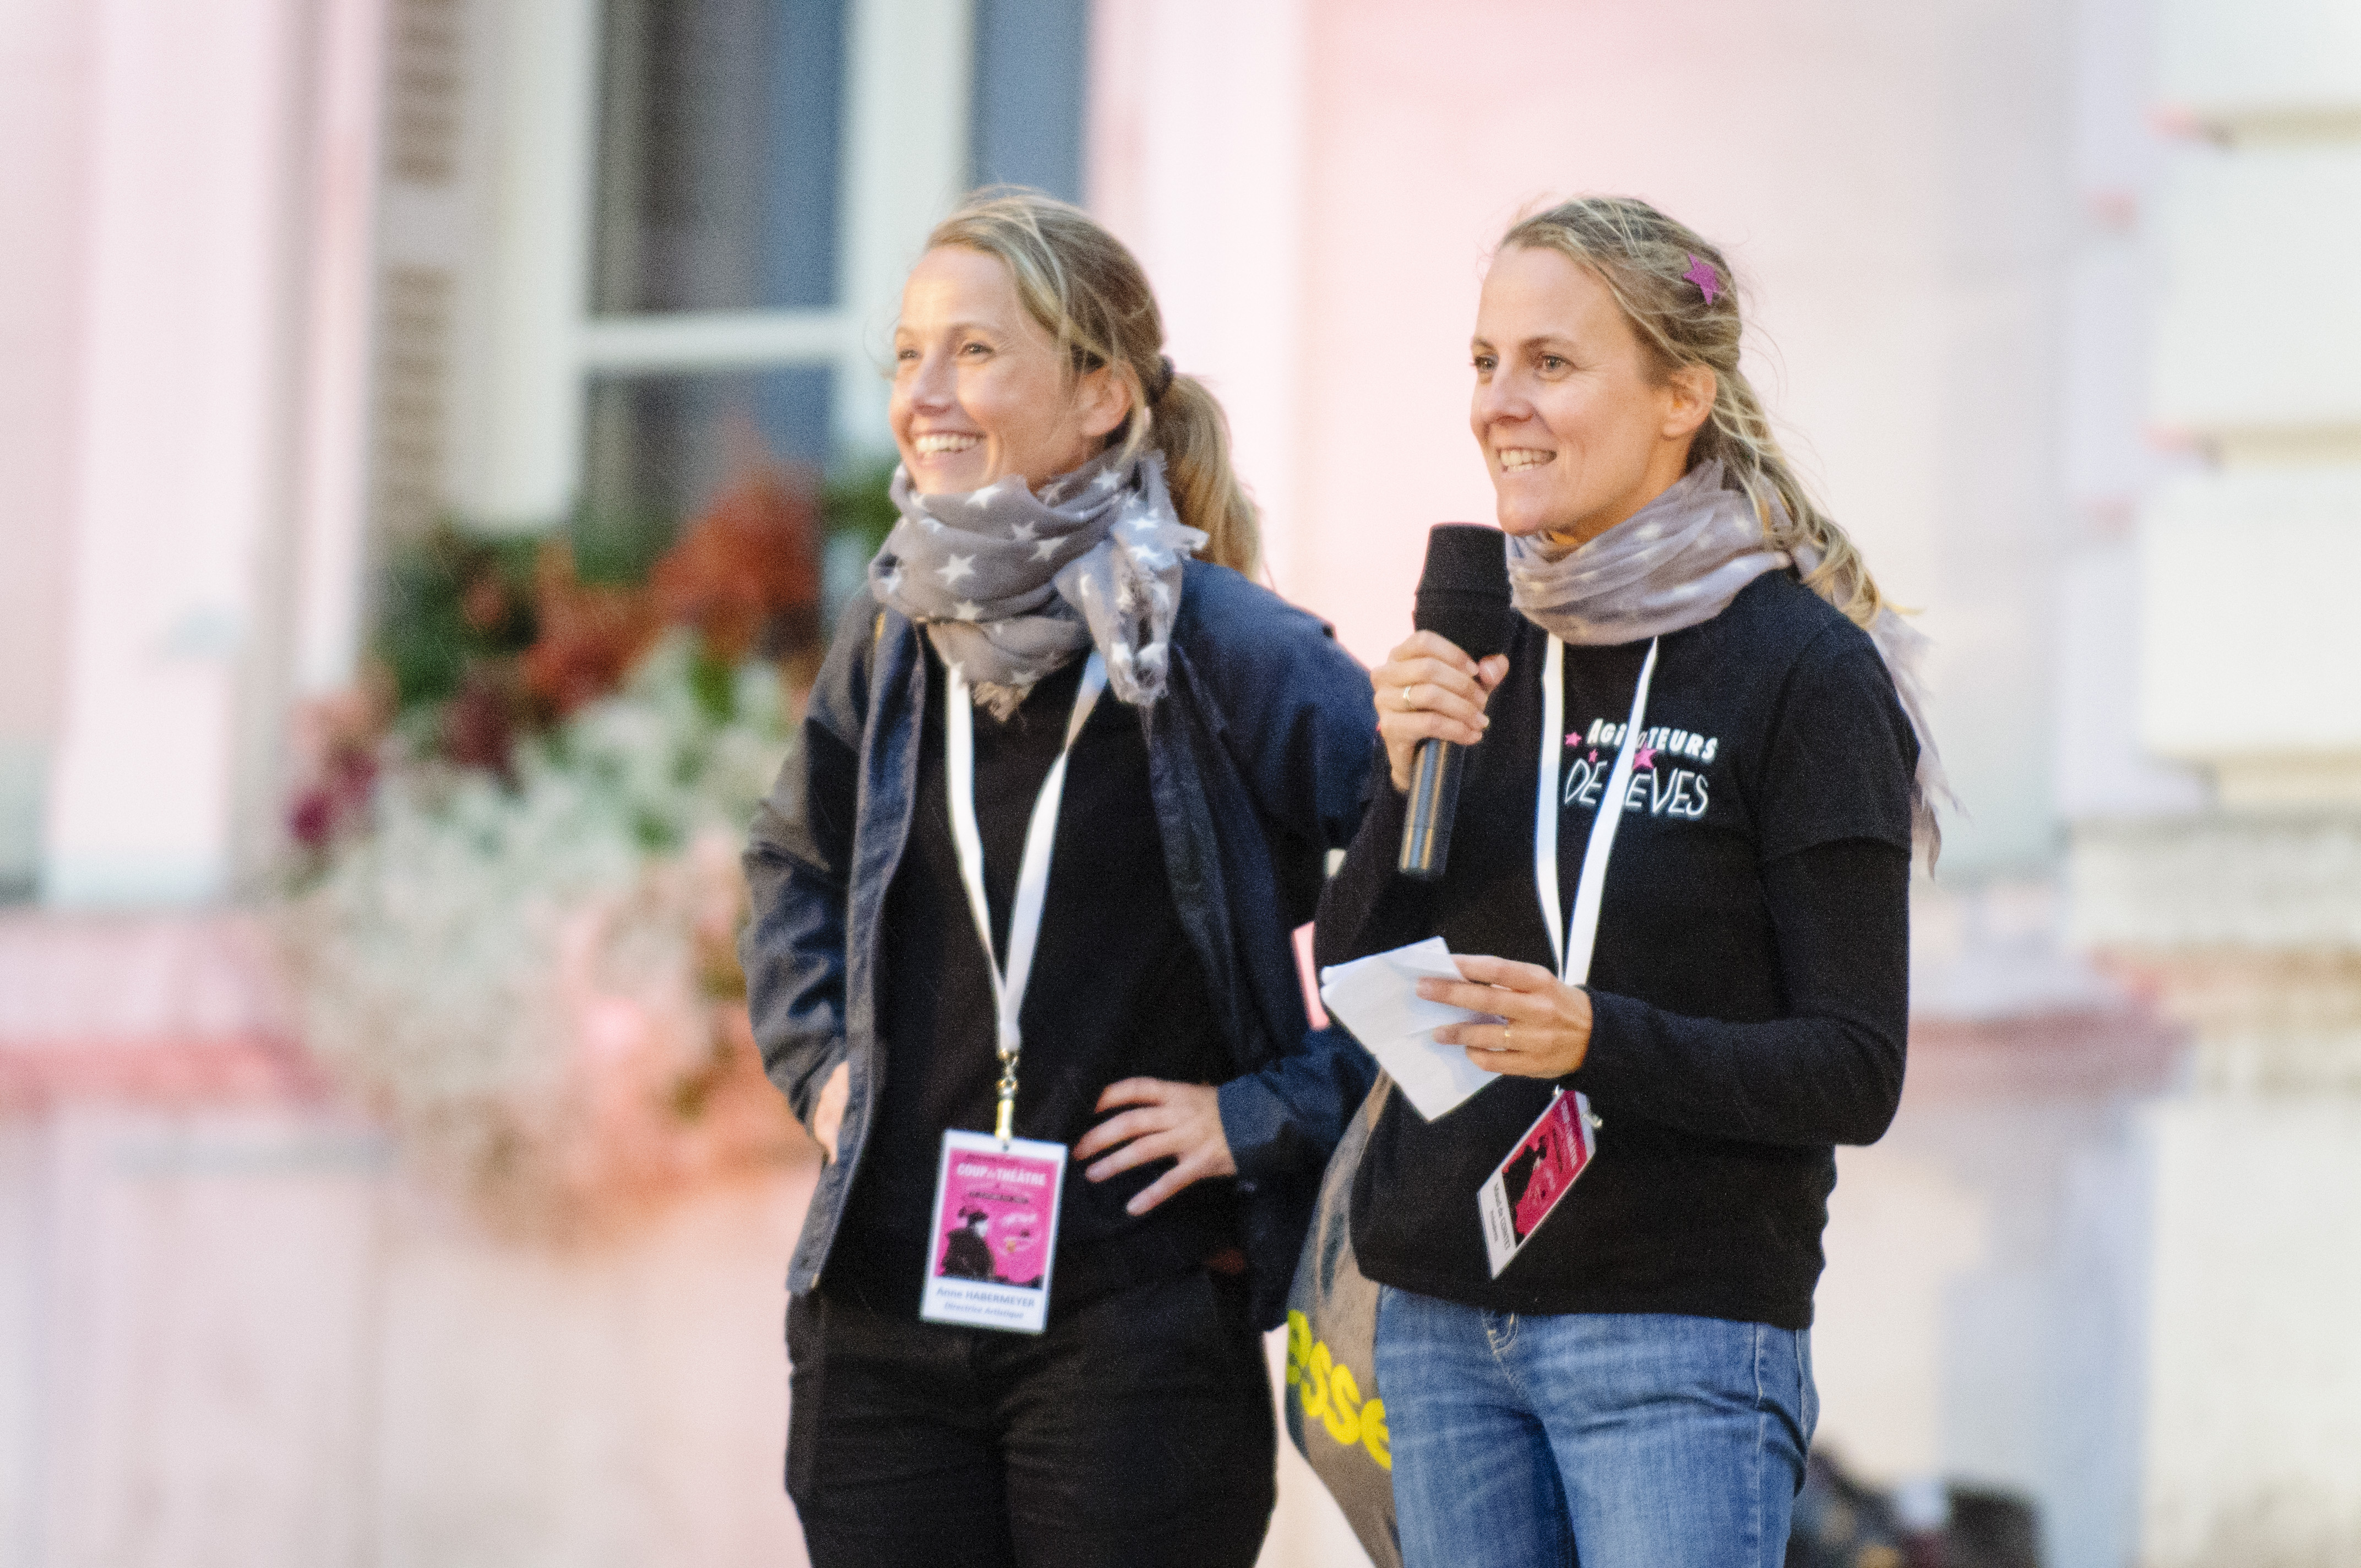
{"x":1702,"y":274}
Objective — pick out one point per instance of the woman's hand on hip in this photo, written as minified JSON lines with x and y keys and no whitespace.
{"x":1429,"y":690}
{"x":1545,"y":1027}
{"x":827,"y":1110}
{"x":1178,"y":1122}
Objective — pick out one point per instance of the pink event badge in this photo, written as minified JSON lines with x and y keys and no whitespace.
{"x":995,"y":1233}
{"x":1535,"y":1177}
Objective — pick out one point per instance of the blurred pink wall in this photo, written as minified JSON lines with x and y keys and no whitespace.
{"x":1888,"y":180}
{"x":155,"y":249}
{"x":44,"y":65}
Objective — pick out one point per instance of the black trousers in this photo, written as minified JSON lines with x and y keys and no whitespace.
{"x":1135,"y":1431}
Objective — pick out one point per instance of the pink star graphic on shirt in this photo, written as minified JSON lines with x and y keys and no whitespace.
{"x":1643,"y":756}
{"x":1702,"y":274}
{"x":1574,"y":739}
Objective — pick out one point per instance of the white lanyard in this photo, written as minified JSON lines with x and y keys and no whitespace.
{"x":1574,"y":947}
{"x":1032,"y":866}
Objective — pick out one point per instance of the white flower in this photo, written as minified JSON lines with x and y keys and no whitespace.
{"x":430,"y":955}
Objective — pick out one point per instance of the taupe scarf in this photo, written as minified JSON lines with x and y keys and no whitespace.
{"x":1011,"y":586}
{"x":1677,"y":561}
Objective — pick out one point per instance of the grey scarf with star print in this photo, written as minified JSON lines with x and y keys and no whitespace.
{"x":1010,"y":586}
{"x":1677,"y":561}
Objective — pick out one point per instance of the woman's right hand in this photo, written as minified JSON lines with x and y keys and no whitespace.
{"x":1429,"y":690}
{"x":827,"y":1110}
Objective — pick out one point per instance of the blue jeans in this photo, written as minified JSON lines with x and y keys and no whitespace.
{"x":1613,"y":1441}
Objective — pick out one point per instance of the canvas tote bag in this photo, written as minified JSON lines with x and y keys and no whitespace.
{"x":1333,"y":1415}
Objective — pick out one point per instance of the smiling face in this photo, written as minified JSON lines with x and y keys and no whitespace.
{"x":980,"y":390}
{"x":1577,"y":430}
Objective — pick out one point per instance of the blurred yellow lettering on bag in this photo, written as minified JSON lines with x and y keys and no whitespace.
{"x":1315,"y":1392}
{"x":1343,"y":1416}
{"x":1374,"y":1436}
{"x":1330,"y":1395}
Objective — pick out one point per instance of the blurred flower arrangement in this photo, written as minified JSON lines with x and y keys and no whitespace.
{"x":512,"y":910}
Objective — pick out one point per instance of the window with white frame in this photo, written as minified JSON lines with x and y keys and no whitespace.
{"x":630,"y":245}
{"x":714,"y":335}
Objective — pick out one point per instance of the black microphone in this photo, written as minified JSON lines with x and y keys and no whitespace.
{"x":1463,"y":597}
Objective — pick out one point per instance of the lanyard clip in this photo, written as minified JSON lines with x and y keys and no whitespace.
{"x":1004,"y":1126}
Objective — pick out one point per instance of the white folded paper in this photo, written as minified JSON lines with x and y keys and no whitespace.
{"x":1378,"y":999}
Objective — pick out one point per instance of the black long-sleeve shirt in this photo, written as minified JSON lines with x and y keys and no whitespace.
{"x":1116,"y":991}
{"x":1748,"y":988}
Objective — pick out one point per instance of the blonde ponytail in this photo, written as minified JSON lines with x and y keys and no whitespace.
{"x":1189,"y":427}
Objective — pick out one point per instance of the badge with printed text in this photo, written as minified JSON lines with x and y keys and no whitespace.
{"x":1537,"y":1175}
{"x":994,"y":1233}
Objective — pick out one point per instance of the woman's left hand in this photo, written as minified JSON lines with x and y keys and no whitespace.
{"x":1180,"y":1122}
{"x":1544,"y":1028}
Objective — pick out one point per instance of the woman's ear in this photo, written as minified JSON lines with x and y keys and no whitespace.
{"x":1693,"y":388}
{"x":1103,"y":401}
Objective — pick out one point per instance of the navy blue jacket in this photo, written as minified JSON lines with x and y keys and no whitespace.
{"x":1259,"y":759}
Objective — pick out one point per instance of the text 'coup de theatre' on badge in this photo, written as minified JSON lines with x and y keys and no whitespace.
{"x":995,"y":1233}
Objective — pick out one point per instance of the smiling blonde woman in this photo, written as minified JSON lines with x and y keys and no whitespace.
{"x":1617,"y":1369}
{"x":1069,"y":522}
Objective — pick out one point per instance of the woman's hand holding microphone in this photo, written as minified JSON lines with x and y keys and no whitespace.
{"x":1429,"y":690}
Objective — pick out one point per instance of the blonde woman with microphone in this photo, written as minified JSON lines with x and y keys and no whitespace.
{"x":1679,"y":886}
{"x":1021,"y":949}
